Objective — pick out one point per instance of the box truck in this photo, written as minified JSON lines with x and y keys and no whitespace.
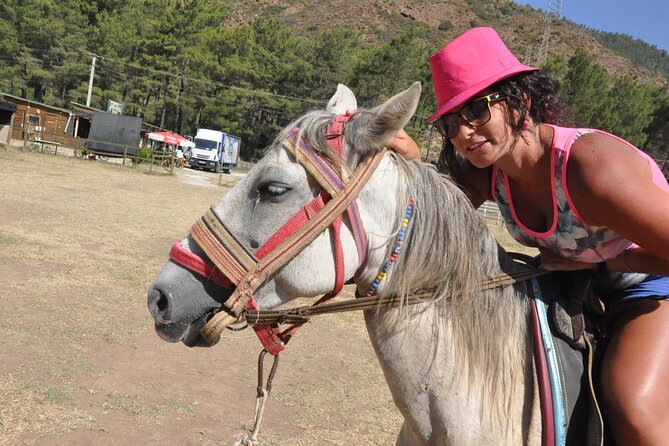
{"x":214,"y":150}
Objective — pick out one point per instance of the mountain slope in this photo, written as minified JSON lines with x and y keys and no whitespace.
{"x":520,"y":26}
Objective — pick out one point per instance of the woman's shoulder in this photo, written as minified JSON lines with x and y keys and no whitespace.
{"x":600,"y":161}
{"x":593,"y":147}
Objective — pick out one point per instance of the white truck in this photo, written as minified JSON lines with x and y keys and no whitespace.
{"x":214,"y":150}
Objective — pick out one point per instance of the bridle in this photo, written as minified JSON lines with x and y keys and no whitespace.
{"x":234,"y":266}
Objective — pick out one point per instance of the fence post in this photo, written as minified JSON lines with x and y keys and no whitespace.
{"x":125,"y":152}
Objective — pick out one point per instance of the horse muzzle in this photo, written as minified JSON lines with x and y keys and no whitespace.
{"x":181,"y":303}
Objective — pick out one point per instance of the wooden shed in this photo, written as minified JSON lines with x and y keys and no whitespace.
{"x":37,"y":121}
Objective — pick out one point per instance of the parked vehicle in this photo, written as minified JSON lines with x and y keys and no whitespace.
{"x":214,"y":150}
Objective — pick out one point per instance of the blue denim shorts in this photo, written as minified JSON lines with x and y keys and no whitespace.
{"x":652,"y":286}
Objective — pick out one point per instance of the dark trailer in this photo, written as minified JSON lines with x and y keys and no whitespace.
{"x":114,"y":135}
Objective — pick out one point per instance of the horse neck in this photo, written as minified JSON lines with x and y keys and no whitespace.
{"x":482,"y":334}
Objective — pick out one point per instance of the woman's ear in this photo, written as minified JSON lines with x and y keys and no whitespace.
{"x":527,"y":100}
{"x":518,"y":114}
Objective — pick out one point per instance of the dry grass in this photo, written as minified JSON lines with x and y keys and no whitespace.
{"x":509,"y":243}
{"x":80,"y":242}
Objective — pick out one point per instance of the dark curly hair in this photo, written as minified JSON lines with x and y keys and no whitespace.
{"x":546,"y":106}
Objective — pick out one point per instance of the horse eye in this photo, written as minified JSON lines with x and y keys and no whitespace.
{"x":274,"y":189}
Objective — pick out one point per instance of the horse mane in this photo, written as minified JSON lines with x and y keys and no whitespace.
{"x":311,"y":128}
{"x":450,"y":251}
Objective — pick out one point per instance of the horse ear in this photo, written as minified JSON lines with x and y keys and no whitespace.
{"x":342,"y":101}
{"x":390,"y":117}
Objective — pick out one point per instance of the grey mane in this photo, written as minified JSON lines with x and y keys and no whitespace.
{"x":450,"y":250}
{"x":312,"y":127}
{"x":361,"y":139}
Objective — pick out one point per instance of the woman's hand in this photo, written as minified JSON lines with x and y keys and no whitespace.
{"x":403,"y":144}
{"x":553,"y":262}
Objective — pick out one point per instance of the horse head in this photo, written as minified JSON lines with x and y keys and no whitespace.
{"x":276,"y":198}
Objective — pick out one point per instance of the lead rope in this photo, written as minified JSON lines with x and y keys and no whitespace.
{"x":261,"y":399}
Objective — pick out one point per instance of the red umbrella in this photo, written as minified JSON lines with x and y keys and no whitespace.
{"x":170,"y":138}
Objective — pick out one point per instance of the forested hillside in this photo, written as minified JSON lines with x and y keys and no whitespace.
{"x":637,"y":51}
{"x":250,"y":67}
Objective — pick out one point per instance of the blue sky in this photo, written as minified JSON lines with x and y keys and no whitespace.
{"x":646,"y":20}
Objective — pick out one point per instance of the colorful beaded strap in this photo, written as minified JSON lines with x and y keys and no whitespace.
{"x":396,"y":250}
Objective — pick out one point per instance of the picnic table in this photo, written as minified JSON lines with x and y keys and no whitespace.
{"x":43,"y":142}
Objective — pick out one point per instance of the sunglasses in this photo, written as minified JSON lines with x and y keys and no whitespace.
{"x":475,"y":113}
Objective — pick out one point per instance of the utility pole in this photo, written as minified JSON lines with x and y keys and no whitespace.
{"x":90,"y":82}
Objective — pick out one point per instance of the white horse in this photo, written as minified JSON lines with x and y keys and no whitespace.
{"x":459,"y":366}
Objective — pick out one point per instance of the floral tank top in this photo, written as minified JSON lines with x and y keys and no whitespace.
{"x":569,"y":235}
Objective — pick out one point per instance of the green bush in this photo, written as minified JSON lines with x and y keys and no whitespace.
{"x":445,"y":26}
{"x":144,"y":154}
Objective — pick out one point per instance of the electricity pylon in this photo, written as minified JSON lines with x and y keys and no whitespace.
{"x":554,"y":11}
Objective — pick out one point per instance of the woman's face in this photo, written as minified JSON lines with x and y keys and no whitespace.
{"x":485,"y":144}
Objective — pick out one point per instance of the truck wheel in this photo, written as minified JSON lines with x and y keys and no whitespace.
{"x":226,"y":170}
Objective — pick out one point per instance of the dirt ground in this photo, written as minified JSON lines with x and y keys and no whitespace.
{"x":80,"y":363}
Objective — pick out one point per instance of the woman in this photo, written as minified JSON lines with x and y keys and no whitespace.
{"x":585,"y":198}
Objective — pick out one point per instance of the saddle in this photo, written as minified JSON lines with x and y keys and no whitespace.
{"x":570,"y":332}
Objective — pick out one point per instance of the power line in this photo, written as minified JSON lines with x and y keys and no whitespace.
{"x":217,"y":84}
{"x":189,"y":92}
{"x":175,"y":75}
{"x":553,"y":12}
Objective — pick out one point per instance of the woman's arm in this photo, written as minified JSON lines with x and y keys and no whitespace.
{"x":611,"y":185}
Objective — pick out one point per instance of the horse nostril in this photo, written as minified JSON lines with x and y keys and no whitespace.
{"x":162,"y":302}
{"x":159,"y":306}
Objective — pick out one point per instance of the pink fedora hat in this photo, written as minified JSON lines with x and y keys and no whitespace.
{"x":468,"y":64}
